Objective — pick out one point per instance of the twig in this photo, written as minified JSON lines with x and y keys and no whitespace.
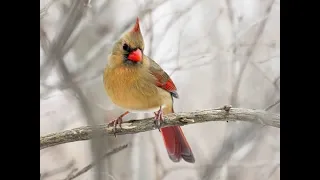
{"x":88,"y":167}
{"x":55,"y":51}
{"x":141,"y":15}
{"x":249,"y":53}
{"x":228,"y":147}
{"x":176,"y":119}
{"x":88,"y":3}
{"x":273,"y":170}
{"x":58,"y":170}
{"x":159,"y":165}
{"x":276,"y":80}
{"x":264,"y":75}
{"x":71,"y":172}
{"x":225,"y":107}
{"x":268,"y":59}
{"x":272,"y":105}
{"x":44,"y":10}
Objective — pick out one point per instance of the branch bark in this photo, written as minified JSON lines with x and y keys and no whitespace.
{"x":176,"y":119}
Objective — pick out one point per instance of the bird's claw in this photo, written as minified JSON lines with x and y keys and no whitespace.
{"x":114,"y":123}
{"x":158,"y":118}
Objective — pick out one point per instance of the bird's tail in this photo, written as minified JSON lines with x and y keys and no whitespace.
{"x":175,"y":141}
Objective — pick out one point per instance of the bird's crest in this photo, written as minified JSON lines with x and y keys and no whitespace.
{"x":136,"y":27}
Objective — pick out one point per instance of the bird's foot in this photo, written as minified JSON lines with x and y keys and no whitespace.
{"x":114,"y":123}
{"x":158,"y":118}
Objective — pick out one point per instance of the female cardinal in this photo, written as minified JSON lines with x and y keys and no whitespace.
{"x":135,"y":82}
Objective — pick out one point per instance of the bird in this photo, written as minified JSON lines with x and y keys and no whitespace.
{"x":136,"y":83}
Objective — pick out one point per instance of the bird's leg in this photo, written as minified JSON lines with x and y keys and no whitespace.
{"x":158,"y":118}
{"x":117,"y":121}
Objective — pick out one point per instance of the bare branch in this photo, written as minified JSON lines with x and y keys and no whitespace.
{"x":276,"y":80}
{"x":268,"y":59}
{"x":227,"y":148}
{"x":273,"y":170}
{"x":249,"y":53}
{"x":272,"y":105}
{"x":71,"y":172}
{"x":58,"y":170}
{"x":55,"y":51}
{"x":264,"y":75}
{"x":176,"y":119}
{"x":44,"y":10}
{"x":88,"y":167}
{"x":88,"y":3}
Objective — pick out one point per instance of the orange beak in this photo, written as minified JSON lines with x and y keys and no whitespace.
{"x":135,"y":56}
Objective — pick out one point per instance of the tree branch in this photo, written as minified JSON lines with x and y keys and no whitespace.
{"x":176,"y":119}
{"x":272,"y":105}
{"x":88,"y":167}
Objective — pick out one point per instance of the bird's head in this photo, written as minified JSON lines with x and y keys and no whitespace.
{"x":128,"y":50}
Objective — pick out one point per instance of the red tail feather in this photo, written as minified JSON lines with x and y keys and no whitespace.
{"x":176,"y":144}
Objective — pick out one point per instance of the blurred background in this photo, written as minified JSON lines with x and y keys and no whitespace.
{"x":218,"y":52}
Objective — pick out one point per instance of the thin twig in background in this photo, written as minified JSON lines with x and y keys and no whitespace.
{"x":272,"y":105}
{"x":44,"y":10}
{"x":227,"y":149}
{"x":234,"y":49}
{"x":88,"y":167}
{"x":176,"y":119}
{"x":268,"y":59}
{"x":72,"y":172}
{"x":276,"y":80}
{"x":159,"y":165}
{"x":272,"y":171}
{"x":55,"y":50}
{"x":44,"y":40}
{"x":141,"y":16}
{"x":264,"y":75}
{"x":192,"y":44}
{"x":249,"y":53}
{"x":58,"y":170}
{"x":174,"y":20}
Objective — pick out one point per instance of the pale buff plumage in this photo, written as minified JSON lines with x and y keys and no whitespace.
{"x":133,"y":88}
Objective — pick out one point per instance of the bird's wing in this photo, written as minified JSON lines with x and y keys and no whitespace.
{"x":163,"y":79}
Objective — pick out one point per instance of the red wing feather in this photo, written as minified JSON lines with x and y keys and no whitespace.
{"x":168,"y":86}
{"x":163,"y":79}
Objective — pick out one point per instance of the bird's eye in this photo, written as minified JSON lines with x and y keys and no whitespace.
{"x":125,"y":47}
